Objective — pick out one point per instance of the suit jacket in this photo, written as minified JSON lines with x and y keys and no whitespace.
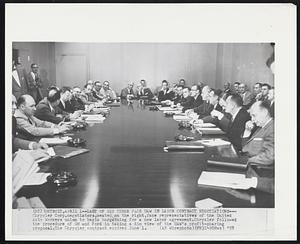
{"x":68,"y":107}
{"x":204,"y":109}
{"x":17,"y":143}
{"x":187,"y":103}
{"x":168,"y":95}
{"x":226,"y":93}
{"x":177,"y":99}
{"x":247,"y":98}
{"x":197,"y":102}
{"x":19,"y":90}
{"x":125,"y":92}
{"x":260,"y":146}
{"x":34,"y":87}
{"x":235,"y":129}
{"x":77,"y":103}
{"x":272,"y":109}
{"x":145,"y":92}
{"x":97,"y":95}
{"x":211,"y":119}
{"x":44,"y":112}
{"x":31,"y":126}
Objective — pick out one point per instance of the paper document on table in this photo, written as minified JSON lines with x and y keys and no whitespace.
{"x":173,"y":112}
{"x":167,"y":109}
{"x":231,"y":180}
{"x":204,"y":125}
{"x":178,"y":117}
{"x":208,"y":203}
{"x":210,"y":131}
{"x":37,"y":179}
{"x":55,"y":140}
{"x":214,"y":142}
{"x":93,"y":117}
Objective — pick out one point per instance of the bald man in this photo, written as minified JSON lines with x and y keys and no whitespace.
{"x":30,"y":126}
{"x":19,"y":143}
{"x":260,"y":145}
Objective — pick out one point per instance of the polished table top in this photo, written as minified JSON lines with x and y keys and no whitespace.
{"x":127,"y":168}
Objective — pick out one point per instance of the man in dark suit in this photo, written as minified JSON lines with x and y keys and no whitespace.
{"x":96,"y":91}
{"x":128,"y":93}
{"x":196,"y":94}
{"x":205,"y":108}
{"x":47,"y":110}
{"x":65,"y":98}
{"x":214,"y":98}
{"x":178,"y":94}
{"x":247,"y":96}
{"x":236,"y":87}
{"x":259,"y":146}
{"x":235,"y":126}
{"x":76,"y":101}
{"x":187,"y":101}
{"x":165,"y":92}
{"x":19,"y":86}
{"x":227,"y":92}
{"x":34,"y":83}
{"x":143,"y":91}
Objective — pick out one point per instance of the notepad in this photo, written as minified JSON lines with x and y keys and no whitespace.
{"x":55,"y":140}
{"x":208,"y":203}
{"x":179,"y":117}
{"x":214,"y":142}
{"x":220,"y":179}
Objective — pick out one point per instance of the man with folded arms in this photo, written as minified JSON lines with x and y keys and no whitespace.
{"x":259,"y":146}
{"x":29,"y":125}
{"x":235,"y":126}
{"x":143,"y":90}
{"x":19,"y":143}
{"x":128,"y":93}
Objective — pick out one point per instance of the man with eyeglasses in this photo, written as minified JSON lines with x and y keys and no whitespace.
{"x":34,"y":83}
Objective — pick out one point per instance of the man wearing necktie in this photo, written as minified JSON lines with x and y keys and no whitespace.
{"x":34,"y":83}
{"x":19,"y":86}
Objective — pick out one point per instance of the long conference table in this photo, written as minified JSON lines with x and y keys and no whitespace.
{"x":127,"y":167}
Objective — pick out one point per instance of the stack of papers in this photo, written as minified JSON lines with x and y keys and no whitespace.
{"x":210,"y":131}
{"x":37,"y":179}
{"x":55,"y":140}
{"x":214,"y":142}
{"x":208,"y":203}
{"x":167,"y":109}
{"x":231,"y":180}
{"x":93,"y":117}
{"x":174,"y":112}
{"x":180,"y":117}
{"x":204,"y":125}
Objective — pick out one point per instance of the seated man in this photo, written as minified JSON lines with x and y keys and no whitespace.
{"x":143,"y":91}
{"x":246,"y":95}
{"x":187,"y":101}
{"x":205,"y":108}
{"x":235,"y":126}
{"x":107,"y":92}
{"x":19,"y":143}
{"x":165,"y":93}
{"x":178,"y":95}
{"x":214,"y":101}
{"x":236,"y":87}
{"x":47,"y":109}
{"x":260,"y":145}
{"x":96,"y":90}
{"x":195,"y":93}
{"x":65,"y":100}
{"x":76,"y":100}
{"x":227,"y":92}
{"x":87,"y":95}
{"x":182,"y":82}
{"x":30,"y":126}
{"x":128,"y":93}
{"x":264,"y":92}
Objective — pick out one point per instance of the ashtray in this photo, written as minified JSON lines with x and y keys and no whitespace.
{"x":80,"y":125}
{"x":184,"y":125}
{"x":184,"y":138}
{"x":62,"y":178}
{"x":76,"y":142}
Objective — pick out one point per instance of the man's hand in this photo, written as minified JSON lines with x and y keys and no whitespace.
{"x":249,"y":125}
{"x":217,"y":114}
{"x":63,"y":128}
{"x":38,"y":154}
{"x":39,"y":145}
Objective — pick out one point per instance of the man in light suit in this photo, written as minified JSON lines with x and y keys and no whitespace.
{"x":19,"y":143}
{"x":246,"y":95}
{"x":34,"y":83}
{"x":30,"y":126}
{"x":235,"y":126}
{"x":19,"y":86}
{"x":260,"y":145}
